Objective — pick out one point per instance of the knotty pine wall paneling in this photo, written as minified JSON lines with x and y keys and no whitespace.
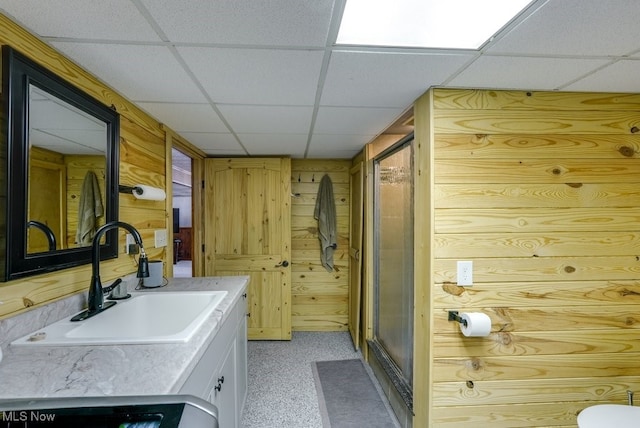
{"x":540,"y":190}
{"x":142,"y":160}
{"x":319,"y":298}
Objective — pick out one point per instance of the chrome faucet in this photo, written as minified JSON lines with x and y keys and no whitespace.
{"x":96,"y":303}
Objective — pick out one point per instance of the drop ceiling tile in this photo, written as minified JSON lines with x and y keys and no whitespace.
{"x":267,"y":119}
{"x":292,"y":145}
{"x":576,"y":27}
{"x":337,"y":146}
{"x":385,"y":79}
{"x":186,"y":117}
{"x":533,"y":73}
{"x":354,"y":120}
{"x":214,"y":142}
{"x":140,"y":73}
{"x":621,"y":76}
{"x":101,"y":20}
{"x":274,"y":22}
{"x":256,"y":76}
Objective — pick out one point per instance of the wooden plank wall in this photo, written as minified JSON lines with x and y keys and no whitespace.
{"x":541,"y":191}
{"x":319,"y":298}
{"x":142,"y":160}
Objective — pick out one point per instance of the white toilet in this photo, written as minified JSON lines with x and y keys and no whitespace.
{"x":609,"y":415}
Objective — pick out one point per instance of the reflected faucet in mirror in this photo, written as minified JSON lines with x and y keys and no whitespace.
{"x":96,"y":303}
{"x":51,"y":237}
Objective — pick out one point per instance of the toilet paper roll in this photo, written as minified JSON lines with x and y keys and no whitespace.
{"x":147,"y":192}
{"x":477,"y":324}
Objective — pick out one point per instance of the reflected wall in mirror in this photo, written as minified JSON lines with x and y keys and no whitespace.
{"x":61,"y":150}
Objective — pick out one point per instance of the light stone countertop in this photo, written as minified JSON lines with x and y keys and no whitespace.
{"x":71,"y":371}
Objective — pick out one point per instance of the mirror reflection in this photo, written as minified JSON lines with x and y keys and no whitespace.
{"x":66,"y":175}
{"x":59,"y":156}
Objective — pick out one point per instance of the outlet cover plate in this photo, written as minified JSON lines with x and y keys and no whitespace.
{"x":465,"y":272}
{"x":160,"y":238}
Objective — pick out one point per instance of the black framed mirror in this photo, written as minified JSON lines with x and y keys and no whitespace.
{"x":60,"y":158}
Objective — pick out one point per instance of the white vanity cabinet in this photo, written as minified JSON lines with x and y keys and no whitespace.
{"x":220,"y":376}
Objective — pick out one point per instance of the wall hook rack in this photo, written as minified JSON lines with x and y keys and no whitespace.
{"x":453,"y":316}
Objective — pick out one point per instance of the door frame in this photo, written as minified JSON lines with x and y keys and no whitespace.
{"x":174,"y":141}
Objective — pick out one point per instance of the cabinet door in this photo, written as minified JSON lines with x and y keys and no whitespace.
{"x":241,"y":367}
{"x":223,"y":395}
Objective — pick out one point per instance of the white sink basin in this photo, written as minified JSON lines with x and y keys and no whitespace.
{"x":609,"y":415}
{"x":158,"y":317}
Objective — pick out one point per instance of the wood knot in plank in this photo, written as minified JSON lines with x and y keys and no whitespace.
{"x":574,"y":185}
{"x":454,"y":290}
{"x":556,"y":170}
{"x":626,"y":151}
{"x":569,"y":269}
{"x":474,"y":364}
{"x":505,"y":318}
{"x":504,"y":338}
{"x":27,"y":302}
{"x":634,"y":129}
{"x":626,"y":292}
{"x":480,"y":140}
{"x":532,"y":295}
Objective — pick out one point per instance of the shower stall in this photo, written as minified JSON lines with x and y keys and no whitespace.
{"x":392,"y":342}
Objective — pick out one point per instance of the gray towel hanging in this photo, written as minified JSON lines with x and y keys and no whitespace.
{"x":90,"y":208}
{"x":325,"y":213}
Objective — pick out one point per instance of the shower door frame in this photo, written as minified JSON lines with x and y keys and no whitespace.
{"x":402,"y":384}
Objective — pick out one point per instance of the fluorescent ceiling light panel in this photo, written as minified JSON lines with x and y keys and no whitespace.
{"x":448,"y":24}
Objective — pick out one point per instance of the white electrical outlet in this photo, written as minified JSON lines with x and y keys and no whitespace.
{"x":465,"y":272}
{"x":160,"y":238}
{"x":129,"y":241}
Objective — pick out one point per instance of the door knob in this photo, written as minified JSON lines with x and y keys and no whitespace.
{"x":283,"y":263}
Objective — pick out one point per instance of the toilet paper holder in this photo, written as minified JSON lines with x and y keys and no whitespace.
{"x":130,"y":189}
{"x":453,"y":316}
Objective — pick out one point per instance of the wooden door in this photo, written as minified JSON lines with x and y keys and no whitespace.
{"x":47,"y":204}
{"x":355,"y":248}
{"x":248,"y":232}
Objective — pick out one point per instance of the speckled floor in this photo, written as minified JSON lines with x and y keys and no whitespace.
{"x":282,"y":393}
{"x":182,"y":269}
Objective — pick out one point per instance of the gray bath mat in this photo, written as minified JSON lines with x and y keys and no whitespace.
{"x":348,"y":397}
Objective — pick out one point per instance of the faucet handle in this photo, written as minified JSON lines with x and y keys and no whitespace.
{"x":118,"y":290}
{"x":112,"y":286}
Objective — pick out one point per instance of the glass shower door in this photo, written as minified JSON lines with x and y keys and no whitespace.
{"x":393,"y":255}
